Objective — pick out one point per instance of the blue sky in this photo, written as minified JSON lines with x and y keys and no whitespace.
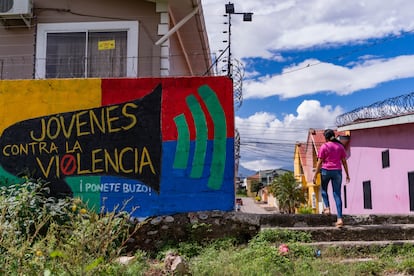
{"x":306,"y":62}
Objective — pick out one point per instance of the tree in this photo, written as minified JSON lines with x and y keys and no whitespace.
{"x":255,"y":186}
{"x":288,"y":192}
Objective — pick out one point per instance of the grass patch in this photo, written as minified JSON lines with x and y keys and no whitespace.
{"x":43,"y":235}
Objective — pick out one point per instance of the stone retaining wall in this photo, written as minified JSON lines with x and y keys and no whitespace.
{"x":156,"y":232}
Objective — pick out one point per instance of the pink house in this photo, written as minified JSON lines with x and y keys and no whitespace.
{"x":381,"y":161}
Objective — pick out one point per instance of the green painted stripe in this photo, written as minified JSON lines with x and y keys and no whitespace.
{"x":79,"y":185}
{"x":183,"y":143}
{"x":200,"y":137}
{"x":7,"y":179}
{"x":220,"y":134}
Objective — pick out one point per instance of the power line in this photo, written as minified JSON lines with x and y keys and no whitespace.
{"x":346,"y":54}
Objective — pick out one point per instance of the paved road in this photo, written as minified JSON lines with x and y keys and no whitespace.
{"x":249,"y":206}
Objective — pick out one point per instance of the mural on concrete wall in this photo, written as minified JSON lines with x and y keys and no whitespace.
{"x":151,"y":146}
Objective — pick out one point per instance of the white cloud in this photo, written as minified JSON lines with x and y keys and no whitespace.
{"x":312,"y":76}
{"x":268,"y":143}
{"x":292,"y":24}
{"x":280,"y":26}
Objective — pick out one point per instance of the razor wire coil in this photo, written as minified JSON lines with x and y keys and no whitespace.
{"x":392,"y":107}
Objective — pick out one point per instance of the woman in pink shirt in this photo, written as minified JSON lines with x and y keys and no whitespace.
{"x":331,"y":158}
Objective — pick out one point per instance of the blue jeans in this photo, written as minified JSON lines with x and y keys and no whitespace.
{"x":335,"y":176}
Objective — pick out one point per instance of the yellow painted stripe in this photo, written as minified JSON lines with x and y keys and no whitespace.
{"x":25,"y":99}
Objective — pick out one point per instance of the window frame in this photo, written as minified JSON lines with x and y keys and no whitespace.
{"x":411,"y":190}
{"x":385,"y":157}
{"x":131,"y":27}
{"x":367,"y":194}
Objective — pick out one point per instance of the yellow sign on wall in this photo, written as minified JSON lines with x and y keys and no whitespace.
{"x":106,"y":45}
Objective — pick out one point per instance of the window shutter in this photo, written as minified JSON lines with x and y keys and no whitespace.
{"x":366,"y":186}
{"x":385,"y":158}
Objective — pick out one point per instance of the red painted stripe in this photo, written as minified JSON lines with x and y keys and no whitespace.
{"x":175,"y":91}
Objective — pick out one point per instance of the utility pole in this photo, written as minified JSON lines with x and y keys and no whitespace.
{"x":247,"y":16}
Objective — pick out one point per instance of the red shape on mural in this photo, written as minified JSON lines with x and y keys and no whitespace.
{"x":68,"y":164}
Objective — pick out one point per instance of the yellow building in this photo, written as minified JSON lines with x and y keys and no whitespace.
{"x":305,"y":159}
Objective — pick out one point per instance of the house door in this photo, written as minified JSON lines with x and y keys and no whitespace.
{"x":411,"y":190}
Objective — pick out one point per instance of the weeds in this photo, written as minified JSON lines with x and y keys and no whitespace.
{"x":305,"y":210}
{"x":42,"y":235}
{"x":58,"y":236}
{"x":281,"y":236}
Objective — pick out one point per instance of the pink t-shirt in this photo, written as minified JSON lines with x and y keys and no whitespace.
{"x":331,"y":154}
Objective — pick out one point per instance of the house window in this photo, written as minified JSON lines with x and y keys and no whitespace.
{"x":345,"y":198}
{"x":366,"y":187}
{"x":411,"y":190}
{"x":385,"y":158}
{"x":87,"y":50}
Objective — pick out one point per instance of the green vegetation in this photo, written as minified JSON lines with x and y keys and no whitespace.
{"x":262,"y":256}
{"x":41,"y":235}
{"x":241,"y":192}
{"x":57,"y":236}
{"x":305,"y":210}
{"x":255,"y":186}
{"x":288,"y":192}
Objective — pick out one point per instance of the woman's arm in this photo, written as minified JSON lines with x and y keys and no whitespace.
{"x":317,"y":170}
{"x":345,"y":164}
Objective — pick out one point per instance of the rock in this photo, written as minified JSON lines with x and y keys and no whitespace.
{"x":175,"y":264}
{"x":179,"y":266}
{"x":169,"y":219}
{"x":125,"y":260}
{"x":151,"y":233}
{"x":193,"y":218}
{"x":169,"y":260}
{"x":156,"y":221}
{"x":203,"y":216}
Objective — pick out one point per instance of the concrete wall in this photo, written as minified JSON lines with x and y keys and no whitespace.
{"x":389,"y":186}
{"x":162,"y":145}
{"x":17,"y":41}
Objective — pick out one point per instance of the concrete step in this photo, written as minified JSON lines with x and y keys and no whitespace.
{"x":354,"y":250}
{"x":358,"y":244}
{"x":356,"y":232}
{"x":315,"y":220}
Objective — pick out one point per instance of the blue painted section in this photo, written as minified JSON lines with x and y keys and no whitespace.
{"x":178,"y":191}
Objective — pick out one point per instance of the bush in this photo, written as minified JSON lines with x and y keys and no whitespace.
{"x":58,"y":236}
{"x":305,"y":210}
{"x":281,"y":236}
{"x":241,"y":192}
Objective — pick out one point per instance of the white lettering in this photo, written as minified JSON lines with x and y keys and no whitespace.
{"x":113,"y":187}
